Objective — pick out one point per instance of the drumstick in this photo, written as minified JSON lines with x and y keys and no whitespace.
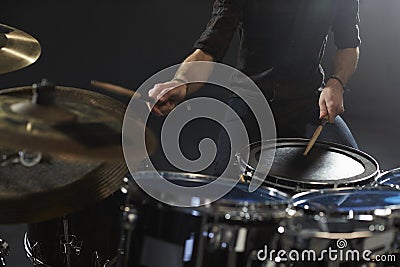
{"x":315,"y":135}
{"x":116,"y":89}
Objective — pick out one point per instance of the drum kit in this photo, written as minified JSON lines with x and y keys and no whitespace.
{"x":62,"y":172}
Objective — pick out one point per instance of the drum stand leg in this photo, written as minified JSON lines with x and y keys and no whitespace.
{"x":4,"y":252}
{"x":66,"y":243}
{"x":35,"y":253}
{"x":128,"y":221}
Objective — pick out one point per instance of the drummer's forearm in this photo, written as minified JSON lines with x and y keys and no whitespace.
{"x":195,"y":72}
{"x":345,"y":63}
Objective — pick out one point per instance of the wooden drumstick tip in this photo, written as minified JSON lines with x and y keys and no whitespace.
{"x":315,"y":135}
{"x":313,"y":139}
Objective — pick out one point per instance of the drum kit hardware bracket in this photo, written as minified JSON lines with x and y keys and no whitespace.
{"x":27,"y":159}
{"x":4,"y":252}
{"x":69,"y":245}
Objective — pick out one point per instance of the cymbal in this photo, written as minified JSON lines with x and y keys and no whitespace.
{"x":50,"y":114}
{"x":54,"y":187}
{"x":93,"y":131}
{"x":17,"y":49}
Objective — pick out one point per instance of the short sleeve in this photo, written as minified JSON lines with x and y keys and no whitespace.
{"x":346,"y":24}
{"x":218,"y":34}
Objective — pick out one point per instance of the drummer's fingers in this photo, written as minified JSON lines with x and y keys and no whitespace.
{"x":155,"y":110}
{"x":166,"y":103}
{"x":165,"y":108}
{"x":166,"y":94}
{"x":323,"y":110}
{"x":174,"y":95}
{"x":334,"y":109}
{"x":160,"y":89}
{"x":157,"y":91}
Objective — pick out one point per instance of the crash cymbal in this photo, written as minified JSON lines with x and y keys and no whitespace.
{"x":90,"y":124}
{"x":17,"y":49}
{"x":54,"y":187}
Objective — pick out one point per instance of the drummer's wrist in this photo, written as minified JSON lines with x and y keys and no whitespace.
{"x":184,"y":83}
{"x":338,"y":81}
{"x":177,"y":79}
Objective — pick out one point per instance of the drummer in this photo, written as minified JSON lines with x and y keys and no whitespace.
{"x":282,"y":43}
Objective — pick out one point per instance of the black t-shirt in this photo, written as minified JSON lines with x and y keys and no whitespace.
{"x":281,"y":41}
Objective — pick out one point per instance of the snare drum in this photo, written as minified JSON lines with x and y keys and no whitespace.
{"x":344,"y":219}
{"x":327,"y":165}
{"x":224,"y":233}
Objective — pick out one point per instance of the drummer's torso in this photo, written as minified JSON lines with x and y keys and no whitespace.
{"x":275,"y":33}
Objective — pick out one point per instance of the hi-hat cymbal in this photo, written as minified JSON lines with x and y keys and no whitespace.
{"x":17,"y":49}
{"x":93,"y":131}
{"x":54,"y":187}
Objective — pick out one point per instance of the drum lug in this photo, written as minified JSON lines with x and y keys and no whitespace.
{"x":71,"y":245}
{"x":4,"y":252}
{"x":222,"y":237}
{"x":216,"y":238}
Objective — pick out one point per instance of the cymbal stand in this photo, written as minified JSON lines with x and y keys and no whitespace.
{"x":69,"y":243}
{"x":128,"y":221}
{"x":4,"y":252}
{"x":66,"y":244}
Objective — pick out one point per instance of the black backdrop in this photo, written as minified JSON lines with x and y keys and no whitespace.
{"x":126,"y":41}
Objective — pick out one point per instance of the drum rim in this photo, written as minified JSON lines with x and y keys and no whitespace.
{"x":260,"y":206}
{"x":383,"y":177}
{"x":199,"y":177}
{"x":371,"y":166}
{"x":304,"y":196}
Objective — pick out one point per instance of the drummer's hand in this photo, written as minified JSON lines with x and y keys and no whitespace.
{"x":168,"y":95}
{"x":331,"y":100}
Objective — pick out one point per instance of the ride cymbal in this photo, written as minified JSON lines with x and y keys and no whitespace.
{"x":17,"y":49}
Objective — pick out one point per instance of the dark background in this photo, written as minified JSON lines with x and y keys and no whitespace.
{"x":125,"y":42}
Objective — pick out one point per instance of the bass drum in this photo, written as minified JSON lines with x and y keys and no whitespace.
{"x":227,"y":232}
{"x":326,"y":166}
{"x":92,"y":240}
